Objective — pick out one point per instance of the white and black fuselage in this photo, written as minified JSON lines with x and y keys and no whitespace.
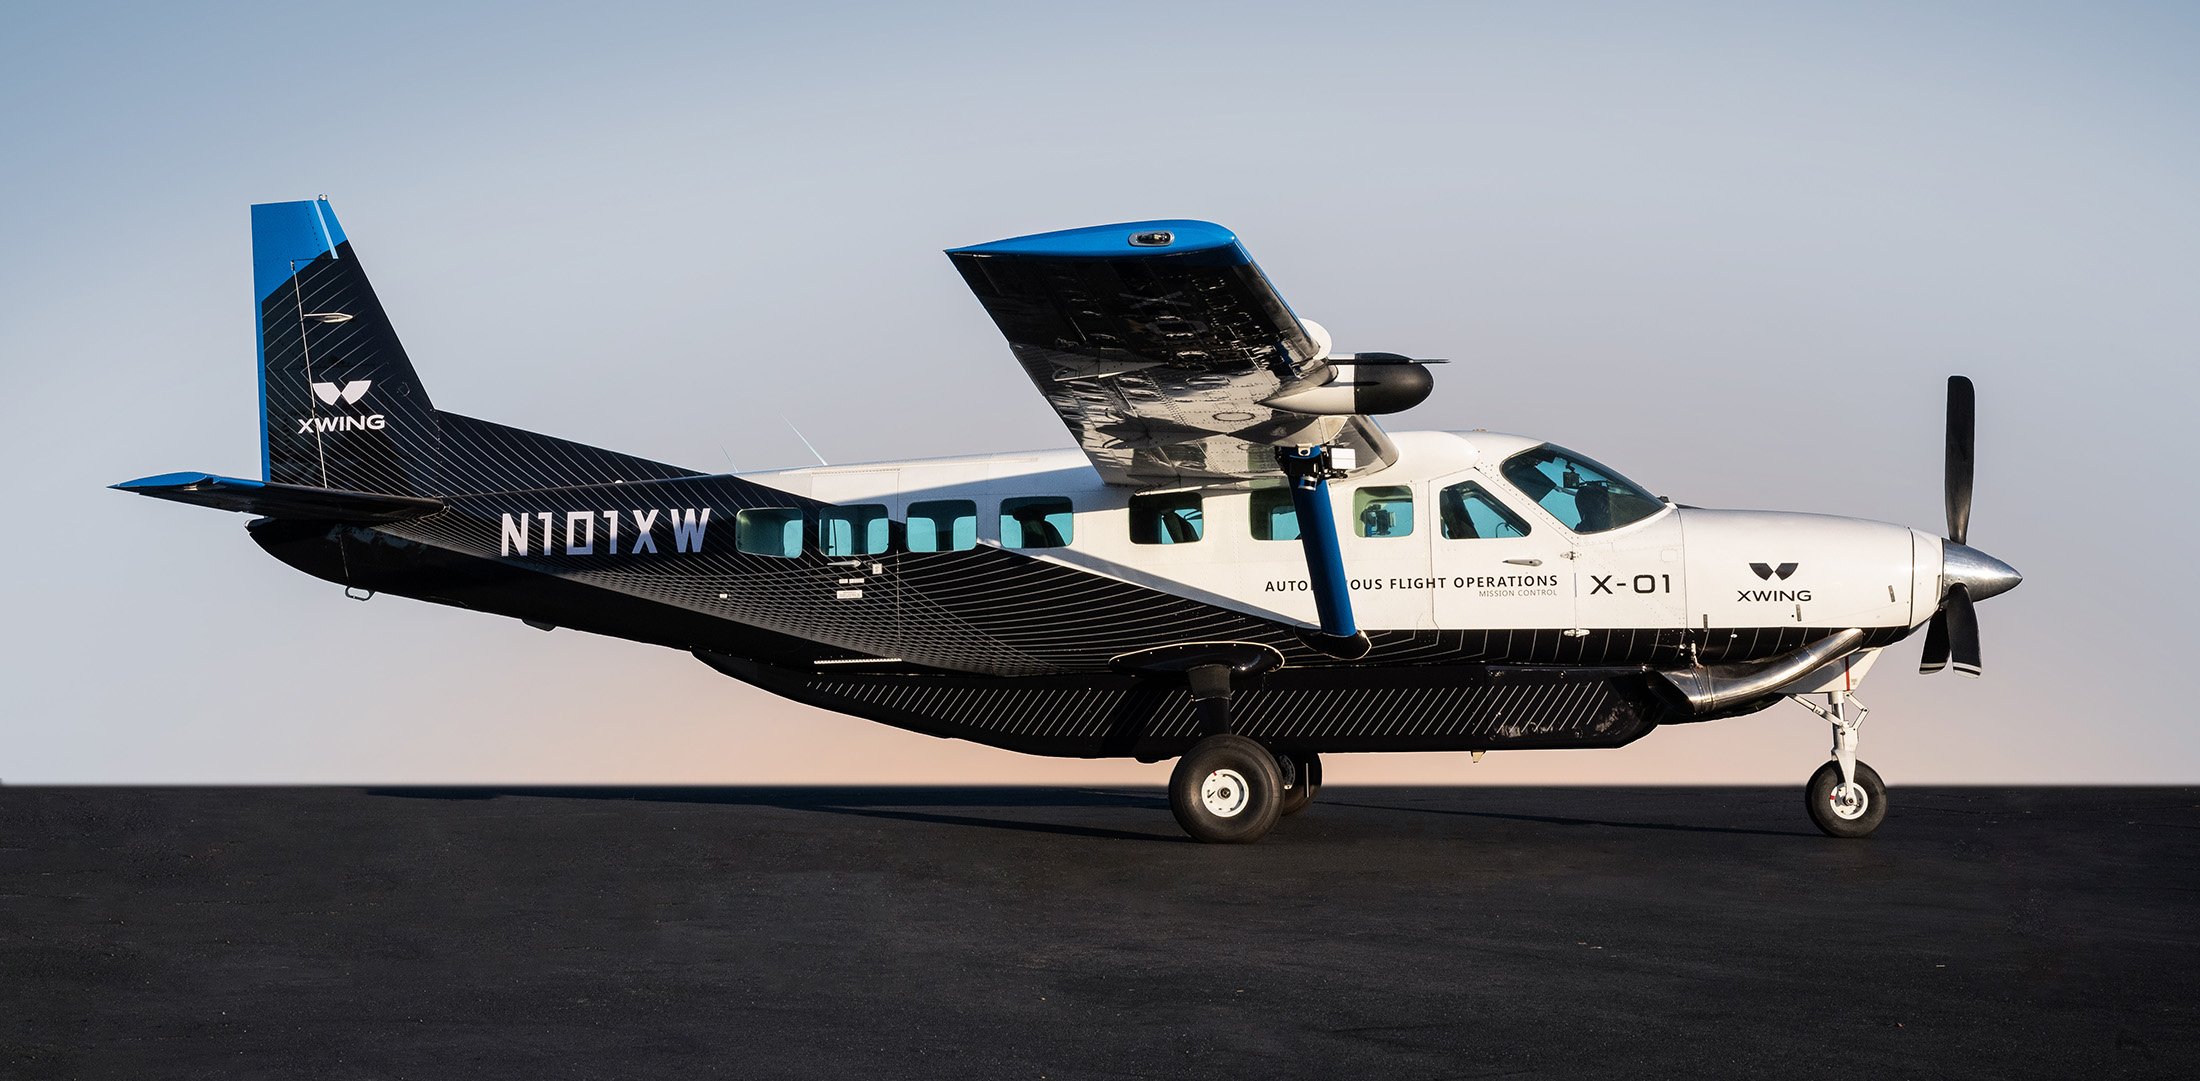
{"x":1552,"y":638}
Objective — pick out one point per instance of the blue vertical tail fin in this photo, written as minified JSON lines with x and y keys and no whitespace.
{"x":340,"y":404}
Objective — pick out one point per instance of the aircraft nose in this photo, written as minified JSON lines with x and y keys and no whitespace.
{"x":1981,"y":574}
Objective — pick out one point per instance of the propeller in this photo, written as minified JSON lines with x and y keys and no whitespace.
{"x":1951,"y":638}
{"x":1962,"y":435}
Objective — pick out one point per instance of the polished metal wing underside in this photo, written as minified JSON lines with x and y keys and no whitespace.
{"x":1158,"y":343}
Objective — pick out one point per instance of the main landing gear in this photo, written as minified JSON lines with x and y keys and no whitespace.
{"x":1228,"y":789}
{"x":1845,"y":797}
{"x":1231,"y":790}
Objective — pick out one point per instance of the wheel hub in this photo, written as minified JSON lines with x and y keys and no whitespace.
{"x":1849,"y":801}
{"x":1224,"y":793}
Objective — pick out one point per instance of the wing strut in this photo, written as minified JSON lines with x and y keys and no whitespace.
{"x":1309,"y":470}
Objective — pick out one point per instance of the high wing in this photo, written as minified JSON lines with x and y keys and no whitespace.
{"x":1172,"y":358}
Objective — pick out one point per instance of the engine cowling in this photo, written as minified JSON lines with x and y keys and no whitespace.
{"x":1358,"y":387}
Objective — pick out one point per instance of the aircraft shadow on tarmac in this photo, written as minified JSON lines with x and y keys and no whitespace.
{"x":895,"y":803}
{"x":929,"y":804}
{"x":1563,"y":820}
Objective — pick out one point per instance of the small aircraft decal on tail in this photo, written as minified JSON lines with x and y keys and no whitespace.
{"x":350,"y":392}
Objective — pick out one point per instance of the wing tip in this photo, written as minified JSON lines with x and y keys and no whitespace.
{"x":1117,"y":239}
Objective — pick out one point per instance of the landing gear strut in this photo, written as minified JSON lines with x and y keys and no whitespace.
{"x":1845,"y":797}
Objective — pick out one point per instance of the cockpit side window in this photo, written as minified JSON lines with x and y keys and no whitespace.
{"x":1584,"y":496}
{"x":1469,"y":512}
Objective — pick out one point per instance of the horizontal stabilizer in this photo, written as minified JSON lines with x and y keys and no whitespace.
{"x":281,"y":500}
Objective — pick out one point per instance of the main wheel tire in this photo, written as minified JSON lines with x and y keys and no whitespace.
{"x":1839,"y":813}
{"x":1306,"y":781}
{"x":1226,"y":790}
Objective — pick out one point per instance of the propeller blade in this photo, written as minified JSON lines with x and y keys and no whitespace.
{"x":1962,"y":630}
{"x":1935,"y":656}
{"x":1962,"y":422}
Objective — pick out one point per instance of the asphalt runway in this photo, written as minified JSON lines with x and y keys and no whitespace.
{"x":1066,"y":933}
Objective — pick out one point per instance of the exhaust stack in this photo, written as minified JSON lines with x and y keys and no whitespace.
{"x":1707,"y":688}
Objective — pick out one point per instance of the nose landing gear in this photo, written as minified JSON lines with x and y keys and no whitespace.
{"x":1845,"y":797}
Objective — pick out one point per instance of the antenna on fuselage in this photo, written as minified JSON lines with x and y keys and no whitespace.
{"x":805,"y":440}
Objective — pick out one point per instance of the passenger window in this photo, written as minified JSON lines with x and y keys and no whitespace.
{"x":1584,"y":496}
{"x":943,"y":525}
{"x":769,"y":531}
{"x":1274,"y":518}
{"x":857,"y":530}
{"x":1383,"y":511}
{"x":1166,"y":518}
{"x":1035,"y":521}
{"x":1467,"y":511}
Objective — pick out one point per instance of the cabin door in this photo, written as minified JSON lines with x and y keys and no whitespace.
{"x":1498,"y":564}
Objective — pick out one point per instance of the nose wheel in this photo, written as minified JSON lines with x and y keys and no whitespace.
{"x":1845,"y":797}
{"x":1846,"y":808}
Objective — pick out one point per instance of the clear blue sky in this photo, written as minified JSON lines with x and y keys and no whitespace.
{"x":1731,"y":249}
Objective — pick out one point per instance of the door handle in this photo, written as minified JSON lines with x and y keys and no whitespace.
{"x":1525,"y":562}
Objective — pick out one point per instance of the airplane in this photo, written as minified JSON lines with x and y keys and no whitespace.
{"x":1236,"y":567}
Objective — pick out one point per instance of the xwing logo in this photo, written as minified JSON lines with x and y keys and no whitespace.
{"x":350,"y":392}
{"x":1768,"y":572}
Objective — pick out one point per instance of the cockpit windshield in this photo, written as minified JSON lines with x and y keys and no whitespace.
{"x":1584,"y":496}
